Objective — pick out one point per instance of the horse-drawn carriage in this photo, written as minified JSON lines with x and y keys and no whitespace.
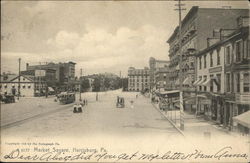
{"x":120,"y":102}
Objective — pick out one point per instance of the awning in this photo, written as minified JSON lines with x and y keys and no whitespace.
{"x":51,"y":89}
{"x":197,"y":81}
{"x":187,"y":81}
{"x":174,"y":93}
{"x":216,"y":80}
{"x":207,"y":82}
{"x":243,"y":119}
{"x":201,"y":82}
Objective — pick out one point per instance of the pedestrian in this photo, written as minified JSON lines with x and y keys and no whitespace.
{"x":132,"y":102}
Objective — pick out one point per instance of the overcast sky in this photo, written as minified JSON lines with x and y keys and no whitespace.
{"x":99,"y":36}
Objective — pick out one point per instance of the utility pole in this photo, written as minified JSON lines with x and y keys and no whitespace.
{"x":180,"y":65}
{"x":80,"y":99}
{"x":19,"y":73}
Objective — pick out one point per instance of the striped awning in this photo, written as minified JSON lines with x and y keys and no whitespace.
{"x":187,"y":81}
{"x":207,"y":82}
{"x":196,"y":82}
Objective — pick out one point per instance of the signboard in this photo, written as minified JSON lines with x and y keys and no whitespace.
{"x":244,"y":99}
{"x":205,"y":102}
{"x":40,"y":72}
{"x":215,"y":69}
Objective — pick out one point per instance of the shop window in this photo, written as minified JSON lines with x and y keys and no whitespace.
{"x":238,"y":82}
{"x":228,"y":82}
{"x":228,"y":54}
{"x":246,"y":82}
{"x":238,"y":50}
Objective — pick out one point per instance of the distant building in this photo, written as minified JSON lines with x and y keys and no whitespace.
{"x":29,"y":86}
{"x":65,"y":72}
{"x":138,"y":79}
{"x":47,"y":75}
{"x":161,"y":79}
{"x":159,"y":67}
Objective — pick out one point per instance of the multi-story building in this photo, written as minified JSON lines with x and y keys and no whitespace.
{"x":159,"y":67}
{"x":197,"y":27}
{"x":138,"y":79}
{"x":47,"y":75}
{"x":161,"y":79}
{"x":65,"y":72}
{"x":223,"y":83}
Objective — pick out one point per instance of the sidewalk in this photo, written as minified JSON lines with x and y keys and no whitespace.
{"x":194,"y":126}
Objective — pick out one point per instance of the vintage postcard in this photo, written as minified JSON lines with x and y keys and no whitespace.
{"x":125,"y":81}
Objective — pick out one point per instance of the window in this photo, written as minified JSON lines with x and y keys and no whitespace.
{"x":211,"y":59}
{"x":228,"y":55}
{"x":5,"y":86}
{"x":246,"y":82}
{"x":237,"y":82}
{"x":29,"y":86}
{"x":200,"y":62}
{"x":211,"y":84}
{"x":218,"y":57}
{"x":205,"y":79}
{"x":238,"y":52}
{"x":248,"y":49}
{"x":228,"y":82}
{"x":219,"y":82}
{"x":205,"y":61}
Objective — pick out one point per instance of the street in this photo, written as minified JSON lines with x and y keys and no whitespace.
{"x":98,"y":118}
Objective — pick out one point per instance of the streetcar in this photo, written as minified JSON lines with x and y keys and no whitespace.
{"x":120,"y":102}
{"x":66,"y":98}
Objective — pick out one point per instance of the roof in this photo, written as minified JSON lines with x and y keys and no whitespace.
{"x":243,"y":119}
{"x":237,"y":32}
{"x":7,"y":77}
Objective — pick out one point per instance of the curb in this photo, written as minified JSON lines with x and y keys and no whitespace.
{"x":182,"y":133}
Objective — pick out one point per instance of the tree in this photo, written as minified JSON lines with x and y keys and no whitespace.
{"x":96,"y":84}
{"x":85,"y":85}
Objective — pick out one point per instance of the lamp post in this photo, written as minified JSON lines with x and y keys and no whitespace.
{"x":19,"y":73}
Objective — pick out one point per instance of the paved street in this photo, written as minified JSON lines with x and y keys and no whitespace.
{"x":98,"y":117}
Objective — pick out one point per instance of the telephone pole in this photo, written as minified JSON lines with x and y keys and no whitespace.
{"x":19,"y":73}
{"x":180,"y":65}
{"x":80,"y":99}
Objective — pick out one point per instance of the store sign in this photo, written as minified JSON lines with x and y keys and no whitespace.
{"x":205,"y":102}
{"x":215,"y":69}
{"x":242,"y":99}
{"x":40,"y":72}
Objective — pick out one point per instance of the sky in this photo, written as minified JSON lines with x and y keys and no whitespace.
{"x":98,"y":36}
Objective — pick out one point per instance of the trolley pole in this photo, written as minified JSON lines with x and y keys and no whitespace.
{"x":19,"y":73}
{"x":80,"y":98}
{"x":180,"y":65}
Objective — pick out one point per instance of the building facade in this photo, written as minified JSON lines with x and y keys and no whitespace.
{"x":65,"y":72}
{"x":196,"y":28}
{"x":158,"y":73}
{"x":223,"y":75}
{"x":29,"y":86}
{"x":138,"y":79}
